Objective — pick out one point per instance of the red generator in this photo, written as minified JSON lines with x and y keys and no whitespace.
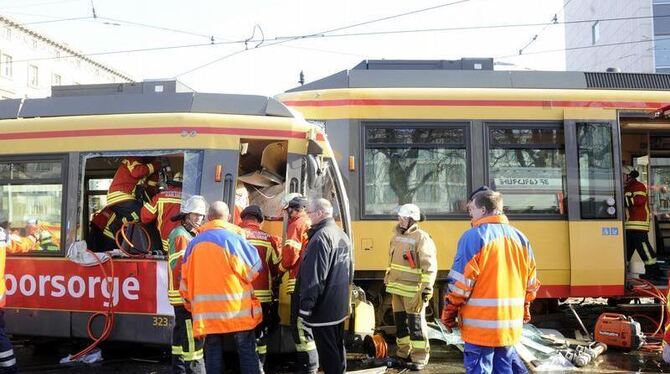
{"x":618,"y":330}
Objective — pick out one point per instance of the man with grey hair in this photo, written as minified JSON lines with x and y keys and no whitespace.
{"x":323,"y":286}
{"x":490,"y":287}
{"x":220,"y":211}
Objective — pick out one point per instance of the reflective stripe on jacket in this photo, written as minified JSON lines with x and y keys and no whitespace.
{"x":637,"y":208}
{"x":405,"y":276}
{"x":217,"y":271}
{"x":127,"y":176}
{"x":294,"y":245}
{"x":492,"y":277}
{"x":268,"y":250}
{"x":161,"y":209}
{"x":177,"y":243}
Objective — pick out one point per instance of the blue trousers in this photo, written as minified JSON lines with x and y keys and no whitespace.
{"x":7,"y":359}
{"x":484,"y":360}
{"x":245,"y":342}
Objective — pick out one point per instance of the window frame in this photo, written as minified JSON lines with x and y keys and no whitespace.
{"x":557,"y":125}
{"x":64,"y":161}
{"x":37,"y":76}
{"x":365,"y":125}
{"x":4,"y":66}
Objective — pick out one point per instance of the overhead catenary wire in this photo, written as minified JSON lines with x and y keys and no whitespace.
{"x":317,"y":35}
{"x":554,"y":20}
{"x":323,"y":32}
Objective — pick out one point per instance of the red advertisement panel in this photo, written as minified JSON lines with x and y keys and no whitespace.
{"x":63,"y":285}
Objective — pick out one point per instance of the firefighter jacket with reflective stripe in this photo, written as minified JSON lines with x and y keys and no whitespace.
{"x":161,"y":209}
{"x":326,"y":273}
{"x":217,"y":271}
{"x":268,"y":250}
{"x":177,"y":243}
{"x":294,"y":245}
{"x":227,"y":226}
{"x":493,"y":276}
{"x":412,"y":263}
{"x":10,"y":244}
{"x":104,"y":220}
{"x":131,"y":172}
{"x":637,"y":209}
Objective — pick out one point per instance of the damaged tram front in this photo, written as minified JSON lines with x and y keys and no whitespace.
{"x":60,"y":165}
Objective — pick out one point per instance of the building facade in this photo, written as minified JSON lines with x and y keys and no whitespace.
{"x":30,"y":63}
{"x":632,"y":35}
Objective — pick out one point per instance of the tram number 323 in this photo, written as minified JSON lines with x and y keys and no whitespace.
{"x":160,"y":321}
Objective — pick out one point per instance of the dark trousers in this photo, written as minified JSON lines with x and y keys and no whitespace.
{"x":263,"y":330}
{"x":245,"y":342}
{"x":7,"y":359}
{"x":187,"y":350}
{"x":330,"y":347}
{"x":129,"y":209}
{"x":639,"y":241}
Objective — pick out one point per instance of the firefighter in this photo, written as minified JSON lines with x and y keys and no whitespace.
{"x":8,"y":244}
{"x":637,"y":223}
{"x":187,"y":350}
{"x":102,"y":230}
{"x":162,"y":208}
{"x":217,"y":274}
{"x":121,"y":196}
{"x":268,"y":250}
{"x":295,"y":206}
{"x":410,"y":275}
{"x":490,"y":287}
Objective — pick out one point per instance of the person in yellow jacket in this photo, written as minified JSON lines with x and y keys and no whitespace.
{"x":410,"y":276}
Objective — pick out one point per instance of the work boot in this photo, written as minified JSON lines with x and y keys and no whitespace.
{"x":653,"y":272}
{"x":415,"y":366}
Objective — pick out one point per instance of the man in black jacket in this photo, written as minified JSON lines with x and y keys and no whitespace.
{"x":323,"y":284}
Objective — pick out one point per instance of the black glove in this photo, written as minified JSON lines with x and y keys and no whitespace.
{"x":425,"y":296}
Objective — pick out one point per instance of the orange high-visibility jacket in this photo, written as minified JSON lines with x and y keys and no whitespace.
{"x":493,"y":276}
{"x":161,"y":209}
{"x":10,"y":244}
{"x":127,"y":176}
{"x":216,"y":281}
{"x":637,"y":209}
{"x":295,"y":243}
{"x":268,"y":250}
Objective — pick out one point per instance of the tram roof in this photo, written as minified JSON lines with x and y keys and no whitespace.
{"x":477,"y":73}
{"x":168,"y":96}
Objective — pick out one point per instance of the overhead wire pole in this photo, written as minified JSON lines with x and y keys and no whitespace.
{"x":261,"y":45}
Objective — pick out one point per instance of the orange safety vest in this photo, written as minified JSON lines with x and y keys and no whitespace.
{"x":295,"y":243}
{"x":637,"y":209}
{"x":161,"y":209}
{"x":10,"y":244}
{"x":268,"y":250}
{"x":493,"y":276}
{"x":216,"y":281}
{"x":131,"y":172}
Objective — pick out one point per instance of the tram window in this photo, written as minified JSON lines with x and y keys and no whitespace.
{"x":424,"y":165}
{"x":527,"y":164}
{"x":596,"y":171}
{"x":31,"y":192}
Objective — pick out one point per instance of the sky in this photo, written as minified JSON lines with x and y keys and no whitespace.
{"x":202,"y":42}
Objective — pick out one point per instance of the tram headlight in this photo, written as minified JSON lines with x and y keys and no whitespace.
{"x":610,"y":201}
{"x":611,"y":211}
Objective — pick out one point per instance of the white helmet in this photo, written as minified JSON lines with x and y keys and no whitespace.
{"x":410,"y":211}
{"x":627,"y":169}
{"x":195,"y":204}
{"x":178,"y":177}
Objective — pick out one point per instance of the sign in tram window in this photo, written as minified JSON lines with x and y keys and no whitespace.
{"x":31,"y":194}
{"x":596,"y":171}
{"x":421,"y":165}
{"x":527,"y":165}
